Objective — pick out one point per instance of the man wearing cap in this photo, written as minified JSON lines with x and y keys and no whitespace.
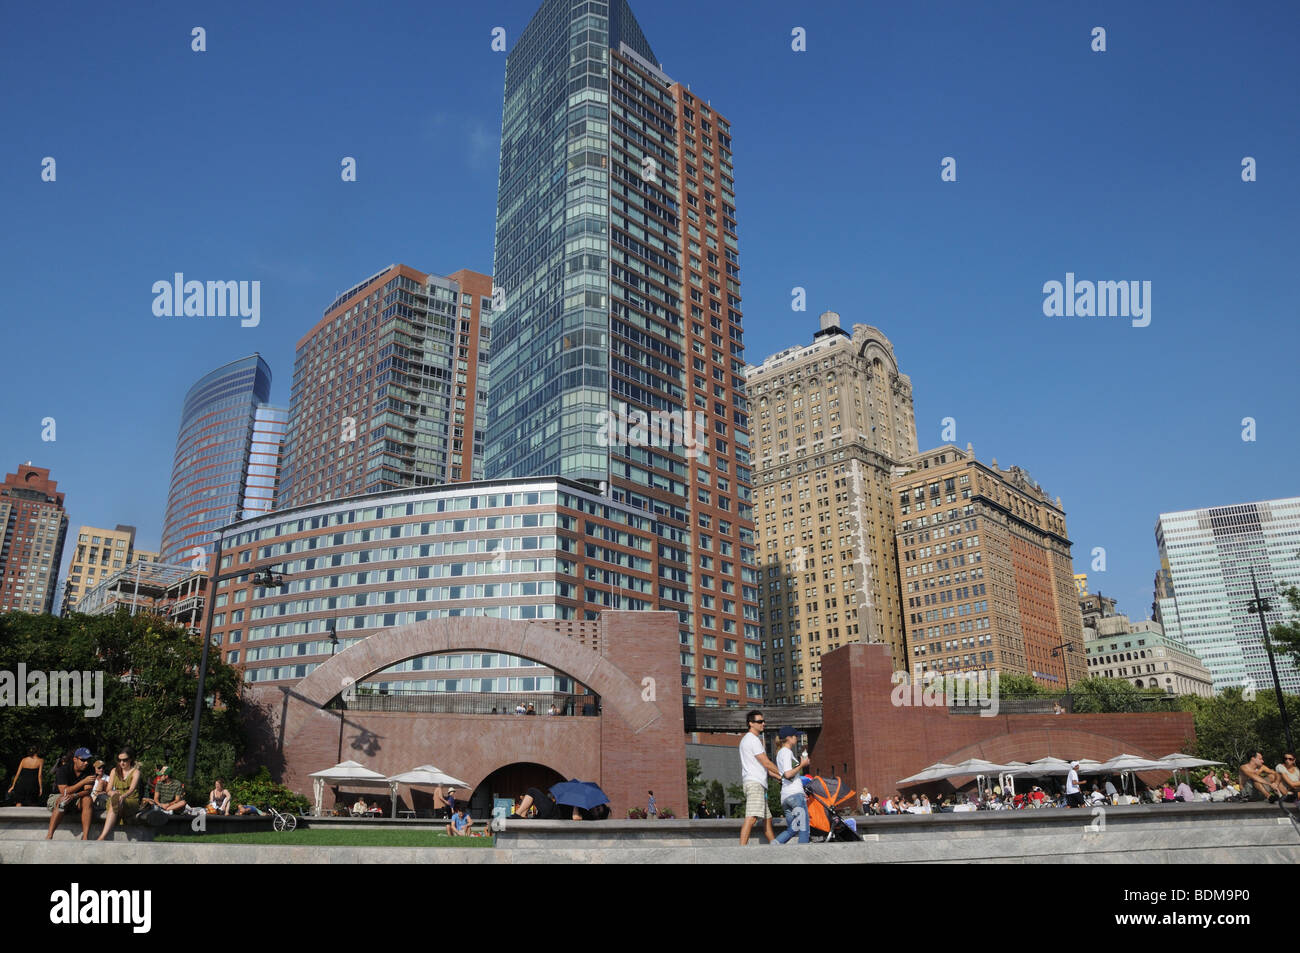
{"x":74,"y":780}
{"x":168,"y":793}
{"x":1073,"y":796}
{"x":794,"y":803}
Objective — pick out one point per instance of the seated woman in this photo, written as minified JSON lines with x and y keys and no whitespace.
{"x":219,"y":799}
{"x":375,"y":808}
{"x":360,"y":807}
{"x":123,"y":791}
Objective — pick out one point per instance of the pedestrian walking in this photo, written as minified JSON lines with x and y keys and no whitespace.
{"x":794,"y":803}
{"x":755,"y":768}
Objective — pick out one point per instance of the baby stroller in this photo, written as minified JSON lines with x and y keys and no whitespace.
{"x":824,"y":796}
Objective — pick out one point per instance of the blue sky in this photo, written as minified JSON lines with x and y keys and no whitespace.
{"x":1122,"y":165}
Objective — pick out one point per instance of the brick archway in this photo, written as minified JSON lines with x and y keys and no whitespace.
{"x":1026,"y":746}
{"x":620,"y":693}
{"x":629,"y":659}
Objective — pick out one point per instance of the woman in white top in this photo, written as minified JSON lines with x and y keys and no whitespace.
{"x":794,"y":803}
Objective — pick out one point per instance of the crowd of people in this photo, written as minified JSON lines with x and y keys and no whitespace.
{"x":88,"y":789}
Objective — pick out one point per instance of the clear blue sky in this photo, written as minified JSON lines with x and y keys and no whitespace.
{"x":1117,"y":165}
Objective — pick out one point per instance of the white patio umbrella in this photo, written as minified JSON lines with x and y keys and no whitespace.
{"x":1048,"y":766}
{"x":1185,"y":762}
{"x":427,"y":775}
{"x":353,"y":775}
{"x":935,"y":772}
{"x":978,"y":767}
{"x":1128,"y":765}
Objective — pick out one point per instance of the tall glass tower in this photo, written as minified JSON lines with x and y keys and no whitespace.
{"x":1204,"y":587}
{"x":617,"y":356}
{"x":227,"y":452}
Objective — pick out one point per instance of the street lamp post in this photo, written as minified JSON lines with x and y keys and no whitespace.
{"x":269,"y":580}
{"x":1065,"y":664}
{"x":1259,"y":606}
{"x":334,"y":644}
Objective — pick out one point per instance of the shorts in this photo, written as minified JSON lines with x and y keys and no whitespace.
{"x":756,"y":801}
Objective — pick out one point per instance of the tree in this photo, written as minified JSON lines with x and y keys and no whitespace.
{"x":716,"y":799}
{"x":695,"y":785}
{"x":735,"y":792}
{"x":148,"y":669}
{"x":1096,"y":694}
{"x":1230,"y":727}
{"x":1286,"y":635}
{"x":1014,"y":685}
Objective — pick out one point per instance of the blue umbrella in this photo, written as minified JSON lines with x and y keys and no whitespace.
{"x":580,"y":794}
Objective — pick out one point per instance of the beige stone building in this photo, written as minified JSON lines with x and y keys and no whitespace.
{"x":984,"y":560}
{"x":99,"y":554}
{"x":1141,"y":653}
{"x":833,"y":419}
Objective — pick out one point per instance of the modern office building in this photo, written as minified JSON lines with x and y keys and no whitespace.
{"x":227,"y":449}
{"x":389,"y":388}
{"x":835,"y":419}
{"x":34,"y":524}
{"x":524,"y":549}
{"x":1204,"y":591}
{"x":99,"y":554}
{"x":617,"y":357}
{"x":1141,"y":653}
{"x":986,"y":573}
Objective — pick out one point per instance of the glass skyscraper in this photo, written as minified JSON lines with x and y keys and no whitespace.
{"x":1203,"y":588}
{"x":617,"y":357}
{"x":226,"y":461}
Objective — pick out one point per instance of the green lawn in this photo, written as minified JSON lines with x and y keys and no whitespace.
{"x":327,"y":837}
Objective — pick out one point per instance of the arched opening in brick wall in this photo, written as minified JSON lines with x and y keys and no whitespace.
{"x":512,"y":781}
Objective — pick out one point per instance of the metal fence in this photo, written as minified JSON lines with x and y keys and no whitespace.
{"x":475,"y":703}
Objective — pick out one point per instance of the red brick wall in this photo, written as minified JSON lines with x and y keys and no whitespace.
{"x":882,"y":743}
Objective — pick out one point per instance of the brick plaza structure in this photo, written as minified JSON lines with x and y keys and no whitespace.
{"x":870,"y":741}
{"x":628,"y":659}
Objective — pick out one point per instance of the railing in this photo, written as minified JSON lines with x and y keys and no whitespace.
{"x":474,"y":703}
{"x":1009,"y":704}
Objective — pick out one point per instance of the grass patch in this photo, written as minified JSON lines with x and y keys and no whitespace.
{"x":325,"y":837}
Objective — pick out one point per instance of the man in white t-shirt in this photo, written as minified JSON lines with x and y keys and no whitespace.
{"x":1073,"y":796}
{"x":755,"y":768}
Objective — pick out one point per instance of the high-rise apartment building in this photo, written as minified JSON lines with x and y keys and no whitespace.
{"x":227,"y":449}
{"x":1203,"y":588}
{"x":835,"y":418}
{"x":389,"y":388}
{"x":35,"y":524}
{"x":985,"y":566}
{"x":99,"y":554}
{"x":618,"y":258}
